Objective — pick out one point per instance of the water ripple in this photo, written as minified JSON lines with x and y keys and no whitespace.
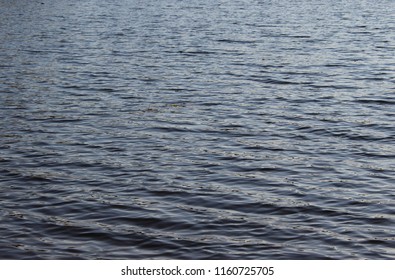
{"x":184,"y":130}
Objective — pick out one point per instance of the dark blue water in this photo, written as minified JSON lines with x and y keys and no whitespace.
{"x":209,"y":129}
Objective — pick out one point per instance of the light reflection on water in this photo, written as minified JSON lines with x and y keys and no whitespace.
{"x":197,"y":130}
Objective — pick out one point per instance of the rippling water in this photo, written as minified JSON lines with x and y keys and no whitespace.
{"x":250,"y":129}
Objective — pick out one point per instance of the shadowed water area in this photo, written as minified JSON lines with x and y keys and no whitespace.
{"x":246,"y":129}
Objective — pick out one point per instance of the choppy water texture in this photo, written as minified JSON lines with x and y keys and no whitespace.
{"x":197,"y":129}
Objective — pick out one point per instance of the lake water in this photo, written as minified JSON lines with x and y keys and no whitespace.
{"x":208,"y":129}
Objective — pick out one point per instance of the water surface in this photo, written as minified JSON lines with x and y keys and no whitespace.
{"x":249,"y":129}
